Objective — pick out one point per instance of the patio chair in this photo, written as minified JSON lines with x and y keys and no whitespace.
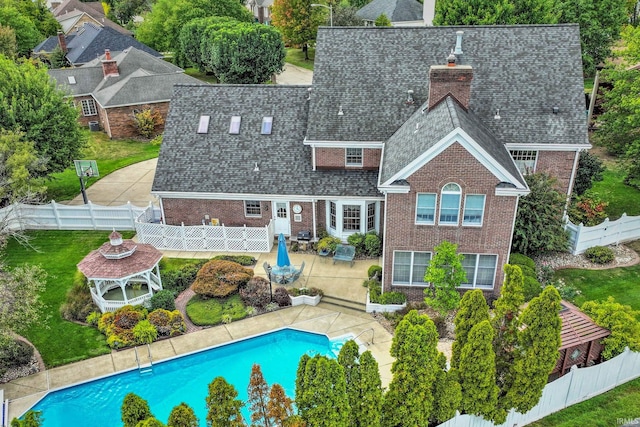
{"x":344,"y":253}
{"x":298,"y":273}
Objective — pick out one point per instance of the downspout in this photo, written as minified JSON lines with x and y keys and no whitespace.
{"x":574,"y":172}
{"x":384,"y":240}
{"x":313,"y":209}
{"x":313,"y":157}
{"x":162,"y":217}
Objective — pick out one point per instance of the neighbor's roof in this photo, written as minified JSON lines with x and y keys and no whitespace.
{"x":395,"y":10}
{"x":524,"y":71}
{"x":70,"y":8}
{"x":427,"y":128}
{"x":219,"y":162}
{"x":578,"y":328}
{"x":143,"y":79}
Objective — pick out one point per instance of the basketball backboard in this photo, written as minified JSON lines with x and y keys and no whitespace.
{"x":86,"y":168}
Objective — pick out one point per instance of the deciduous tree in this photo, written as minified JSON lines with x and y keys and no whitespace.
{"x":134,"y":409}
{"x":297,"y":20}
{"x":30,"y":103}
{"x":473,"y":12}
{"x":19,"y":166}
{"x":8,"y":44}
{"x":223,"y":407}
{"x":345,"y":16}
{"x":280,"y":407}
{"x":382,"y":21}
{"x":473,"y":310}
{"x":27,"y":34}
{"x":444,"y":274}
{"x":590,"y":170}
{"x":539,"y":226}
{"x":182,"y":415}
{"x":258,"y":392}
{"x":538,"y":342}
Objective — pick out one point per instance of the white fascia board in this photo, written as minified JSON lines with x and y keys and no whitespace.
{"x":397,"y":189}
{"x":271,"y":197}
{"x":344,"y":144}
{"x":547,"y":147}
{"x":511,"y":192}
{"x":460,"y":136}
{"x":136,"y":103}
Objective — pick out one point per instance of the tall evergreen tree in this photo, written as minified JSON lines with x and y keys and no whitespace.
{"x":447,"y":394}
{"x":348,"y":359}
{"x":473,"y":310}
{"x":409,"y":400}
{"x":134,"y":409}
{"x":301,"y":386}
{"x":539,"y":341}
{"x":258,"y":392}
{"x":370,"y":410}
{"x":325,"y":394}
{"x":182,"y":415}
{"x":223,"y":409}
{"x":477,"y":372}
{"x":506,"y":326}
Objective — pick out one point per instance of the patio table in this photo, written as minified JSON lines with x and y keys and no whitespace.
{"x":284,"y":274}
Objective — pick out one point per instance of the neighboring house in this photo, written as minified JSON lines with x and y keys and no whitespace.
{"x":391,"y":138}
{"x":401,"y":13}
{"x":73,"y":14}
{"x":88,"y":43}
{"x":109,"y":89}
{"x":261,"y":10}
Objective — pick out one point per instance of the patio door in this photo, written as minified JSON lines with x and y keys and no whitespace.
{"x":282,"y":223}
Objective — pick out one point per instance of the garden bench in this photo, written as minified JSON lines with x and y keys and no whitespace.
{"x":344,"y":253}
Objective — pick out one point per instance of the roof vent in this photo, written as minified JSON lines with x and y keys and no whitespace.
{"x":451,"y":60}
{"x":340,"y":112}
{"x":309,"y":93}
{"x":556,"y":110}
{"x":497,"y":116}
{"x":410,"y":100}
{"x":458,"y":50}
{"x":71,"y":79}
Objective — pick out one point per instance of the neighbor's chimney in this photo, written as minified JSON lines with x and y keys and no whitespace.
{"x":62,"y":41}
{"x":451,"y":79}
{"x":109,"y":66}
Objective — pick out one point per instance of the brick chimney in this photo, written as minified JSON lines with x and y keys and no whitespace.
{"x":109,"y":66}
{"x":62,"y":41}
{"x":450,"y":79}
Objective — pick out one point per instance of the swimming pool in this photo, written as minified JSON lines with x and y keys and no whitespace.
{"x":185,"y":379}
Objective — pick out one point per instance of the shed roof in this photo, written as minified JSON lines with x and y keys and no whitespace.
{"x":578,"y":328}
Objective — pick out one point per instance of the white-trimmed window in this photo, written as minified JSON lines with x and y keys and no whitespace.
{"x":450,"y":204}
{"x":333,"y":210}
{"x":525,"y":160}
{"x":371,"y":216}
{"x":409,"y":267}
{"x":481,"y":270}
{"x":234,"y":127}
{"x":426,"y":208}
{"x":353,"y":156}
{"x":89,"y":107}
{"x":267,"y":124}
{"x":473,"y":209}
{"x":351,"y":218}
{"x":252,"y":208}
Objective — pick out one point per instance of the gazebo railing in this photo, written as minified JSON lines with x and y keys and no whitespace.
{"x":110,"y":305}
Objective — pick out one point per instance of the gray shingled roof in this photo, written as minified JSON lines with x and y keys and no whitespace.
{"x":93,"y":9}
{"x":395,"y":10}
{"x":524,"y":71}
{"x":143,"y":79}
{"x":218,"y":162}
{"x":423,"y":131}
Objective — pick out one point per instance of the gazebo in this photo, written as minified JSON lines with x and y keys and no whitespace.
{"x":581,"y":340}
{"x":122,"y":272}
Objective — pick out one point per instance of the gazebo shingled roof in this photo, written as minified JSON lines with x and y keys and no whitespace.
{"x":578,"y":328}
{"x":96,"y":265}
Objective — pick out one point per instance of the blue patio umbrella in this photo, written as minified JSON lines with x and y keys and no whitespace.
{"x":283,"y":256}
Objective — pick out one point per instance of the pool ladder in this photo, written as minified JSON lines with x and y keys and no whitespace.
{"x":144,"y":368}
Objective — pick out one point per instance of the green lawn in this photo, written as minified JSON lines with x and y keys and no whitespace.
{"x":622,"y":198}
{"x":111,"y":155}
{"x":295,"y":56}
{"x":210,"y":311}
{"x":58,"y":252}
{"x":206,"y":78}
{"x":605,"y":410}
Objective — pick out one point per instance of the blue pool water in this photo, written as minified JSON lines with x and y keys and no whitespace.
{"x":186,"y":379}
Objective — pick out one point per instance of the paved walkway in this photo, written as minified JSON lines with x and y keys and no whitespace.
{"x":294,"y":75}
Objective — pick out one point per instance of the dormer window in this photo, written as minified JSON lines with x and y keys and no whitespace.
{"x":71,"y":80}
{"x":267,"y":123}
{"x":203,"y":126}
{"x":234,"y":128}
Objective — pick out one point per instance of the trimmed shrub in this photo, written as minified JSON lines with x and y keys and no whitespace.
{"x":144,"y":332}
{"x":374,"y":270}
{"x":78,"y":304}
{"x":392,"y":298}
{"x":532,"y":288}
{"x":312,"y":292}
{"x":178,"y":327}
{"x":180,"y":279}
{"x":281,"y":296}
{"x":600,"y":254}
{"x":218,"y":278}
{"x":93,"y":318}
{"x":161,"y":320}
{"x":256,"y":292}
{"x":357,"y":240}
{"x":519,"y":259}
{"x":375,"y":288}
{"x":244,"y":260}
{"x":328,"y":243}
{"x":128,"y":316}
{"x":373,"y":244}
{"x":163,"y":299}
{"x":526,"y":270}
{"x":272,"y":306}
{"x":15,"y":353}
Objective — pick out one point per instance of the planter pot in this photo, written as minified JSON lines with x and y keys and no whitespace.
{"x":383,"y":308}
{"x":305,"y":299}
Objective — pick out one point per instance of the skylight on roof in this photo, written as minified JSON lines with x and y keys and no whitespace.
{"x":203,"y":127}
{"x":267,"y":123}
{"x":71,"y":79}
{"x":235,"y":125}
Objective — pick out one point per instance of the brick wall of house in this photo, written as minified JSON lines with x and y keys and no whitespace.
{"x":455,"y":164}
{"x":307,"y":218}
{"x":120,"y":120}
{"x":334,"y":158}
{"x":82,"y":119}
{"x":558,"y":164}
{"x":228,"y":212}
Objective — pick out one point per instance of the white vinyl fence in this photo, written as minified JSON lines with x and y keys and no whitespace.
{"x":624,"y":229}
{"x":578,"y":385}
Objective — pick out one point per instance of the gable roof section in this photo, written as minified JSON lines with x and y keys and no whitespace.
{"x":524,"y":71}
{"x":94,"y":9}
{"x":218,"y":163}
{"x":395,"y":10}
{"x":577,"y":327}
{"x":428,"y":133}
{"x":143,"y":79}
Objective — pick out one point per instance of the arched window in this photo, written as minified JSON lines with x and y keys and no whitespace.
{"x":450,"y":204}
